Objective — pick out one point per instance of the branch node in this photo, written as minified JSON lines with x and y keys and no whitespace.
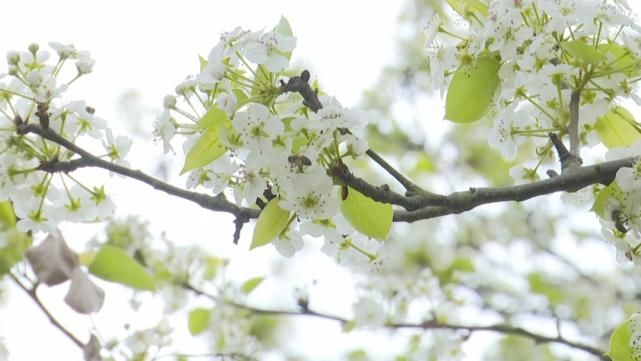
{"x":239,"y":222}
{"x":43,"y":115}
{"x":299,"y":84}
{"x":567,"y":159}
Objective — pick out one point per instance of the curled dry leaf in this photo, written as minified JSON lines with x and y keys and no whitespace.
{"x":84,"y":296}
{"x":52,"y":260}
{"x":91,"y":350}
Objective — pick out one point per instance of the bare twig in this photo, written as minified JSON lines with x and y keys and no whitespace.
{"x":427,"y":325}
{"x":34,"y":296}
{"x":573,"y":127}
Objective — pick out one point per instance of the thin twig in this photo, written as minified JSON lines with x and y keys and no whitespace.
{"x":427,"y":325}
{"x":573,"y":127}
{"x":300,"y":85}
{"x":34,"y":296}
{"x":215,"y":203}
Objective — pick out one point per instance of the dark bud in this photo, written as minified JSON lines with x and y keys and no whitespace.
{"x":43,"y":115}
{"x":304,"y":76}
{"x":90,"y":110}
{"x":344,"y":192}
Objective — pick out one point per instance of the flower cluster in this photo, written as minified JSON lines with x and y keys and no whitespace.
{"x":244,"y":132}
{"x":32,"y":93}
{"x":548,"y":50}
{"x":558,"y":62}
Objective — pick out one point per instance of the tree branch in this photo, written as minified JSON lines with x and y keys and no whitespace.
{"x":34,"y":296}
{"x":573,"y":127}
{"x":418,"y":206}
{"x":214,"y":203}
{"x":459,"y":202}
{"x":299,"y":84}
{"x":427,"y":325}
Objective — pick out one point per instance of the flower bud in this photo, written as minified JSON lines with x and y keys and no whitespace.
{"x":84,"y":65}
{"x":35,"y":78}
{"x":13,"y":57}
{"x":33,"y":48}
{"x":169,"y":101}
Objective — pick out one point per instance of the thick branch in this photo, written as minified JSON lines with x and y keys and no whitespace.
{"x":215,"y":203}
{"x":459,"y":202}
{"x":34,"y":296}
{"x":427,"y":325}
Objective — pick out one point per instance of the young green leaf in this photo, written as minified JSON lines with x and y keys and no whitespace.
{"x":619,"y":58}
{"x":371,"y":218}
{"x":7,"y":217}
{"x":207,"y":149}
{"x":15,"y":246}
{"x":214,"y":118}
{"x":241,"y":97}
{"x":283,"y":28}
{"x":115,"y":265}
{"x":601,"y":200}
{"x":251,"y":284}
{"x":619,"y":349}
{"x":203,"y":62}
{"x":465,"y":7}
{"x":583,"y":52}
{"x":271,"y":222}
{"x":617,"y":128}
{"x":198,"y":320}
{"x":471,"y":91}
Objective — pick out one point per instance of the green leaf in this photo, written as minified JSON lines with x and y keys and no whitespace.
{"x":538,"y":284}
{"x":271,"y":222}
{"x":349,"y":326}
{"x":203,"y":62}
{"x":214,"y":118}
{"x":617,"y":128}
{"x":198,"y":320}
{"x":466,"y":7}
{"x":601,"y":200}
{"x":619,"y":58}
{"x":619,"y":349}
{"x":7,"y":217}
{"x":471,"y":91}
{"x":583,"y":52}
{"x":17,"y":244}
{"x":371,"y":218}
{"x":283,"y":28}
{"x":115,"y":265}
{"x":241,"y":97}
{"x":207,"y":149}
{"x":250,"y":284}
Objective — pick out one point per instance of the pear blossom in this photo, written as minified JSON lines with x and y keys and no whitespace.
{"x":117,"y":148}
{"x":269,"y":49}
{"x":258,"y":128}
{"x":368,"y":313}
